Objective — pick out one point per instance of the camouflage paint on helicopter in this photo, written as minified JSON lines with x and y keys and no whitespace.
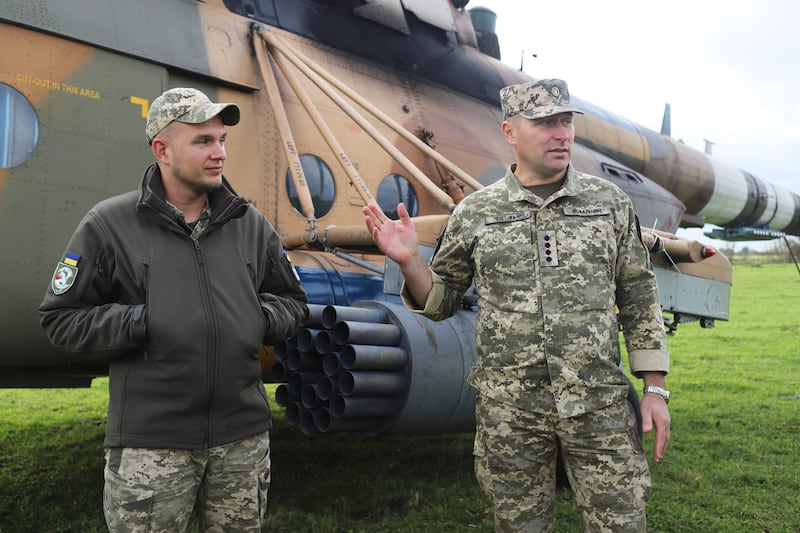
{"x":420,"y":124}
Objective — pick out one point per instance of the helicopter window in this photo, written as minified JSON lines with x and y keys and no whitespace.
{"x":19,"y":127}
{"x":394,"y":189}
{"x":320,"y":184}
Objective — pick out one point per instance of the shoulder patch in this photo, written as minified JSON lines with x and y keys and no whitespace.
{"x":65,"y":273}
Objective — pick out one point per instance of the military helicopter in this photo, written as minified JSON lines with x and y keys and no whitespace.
{"x":343,"y":102}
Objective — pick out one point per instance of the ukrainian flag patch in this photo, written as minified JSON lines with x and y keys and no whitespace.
{"x":71,"y":259}
{"x":65,"y":273}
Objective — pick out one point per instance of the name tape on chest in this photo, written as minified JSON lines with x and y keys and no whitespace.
{"x":508,"y":217}
{"x":586,"y":211}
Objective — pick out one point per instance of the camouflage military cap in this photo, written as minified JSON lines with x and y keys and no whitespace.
{"x":186,"y":105}
{"x":536,"y":99}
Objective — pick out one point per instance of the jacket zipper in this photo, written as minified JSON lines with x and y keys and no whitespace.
{"x":211,"y":339}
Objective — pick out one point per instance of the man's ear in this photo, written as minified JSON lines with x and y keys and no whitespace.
{"x":159,"y":148}
{"x":508,"y":131}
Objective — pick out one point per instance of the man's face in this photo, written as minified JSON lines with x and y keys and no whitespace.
{"x":543,"y":146}
{"x":196,"y":154}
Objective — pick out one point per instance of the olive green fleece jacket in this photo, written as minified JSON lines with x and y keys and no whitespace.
{"x":180,"y":321}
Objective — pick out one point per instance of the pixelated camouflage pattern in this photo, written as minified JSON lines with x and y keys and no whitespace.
{"x":536,"y":99}
{"x":151,"y":490}
{"x":547,"y":331}
{"x":200,"y":224}
{"x":189,"y":105}
{"x":603,"y":457}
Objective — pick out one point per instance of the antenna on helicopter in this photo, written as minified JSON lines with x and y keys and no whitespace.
{"x":522,"y":59}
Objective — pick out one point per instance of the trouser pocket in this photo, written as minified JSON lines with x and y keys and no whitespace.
{"x":127,"y":502}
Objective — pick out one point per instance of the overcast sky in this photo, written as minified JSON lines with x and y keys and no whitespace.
{"x":729,"y":69}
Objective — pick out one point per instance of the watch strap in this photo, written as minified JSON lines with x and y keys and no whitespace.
{"x":664,"y":393}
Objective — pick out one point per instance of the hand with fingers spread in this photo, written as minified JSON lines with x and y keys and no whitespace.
{"x":398,"y":240}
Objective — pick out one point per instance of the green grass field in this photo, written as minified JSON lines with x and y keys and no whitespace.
{"x":733,"y":464}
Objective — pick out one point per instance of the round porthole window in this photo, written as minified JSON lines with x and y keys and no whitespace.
{"x":19,"y":127}
{"x":320,"y":183}
{"x":395,"y":189}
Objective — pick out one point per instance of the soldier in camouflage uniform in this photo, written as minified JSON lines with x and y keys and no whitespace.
{"x":177,"y":285}
{"x":552,"y":252}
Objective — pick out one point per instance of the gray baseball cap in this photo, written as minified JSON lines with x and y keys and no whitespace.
{"x":536,"y":99}
{"x":186,"y":105}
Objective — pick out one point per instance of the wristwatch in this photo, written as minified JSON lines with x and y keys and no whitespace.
{"x":664,"y":393}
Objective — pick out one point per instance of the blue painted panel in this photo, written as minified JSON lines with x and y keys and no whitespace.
{"x":332,"y":287}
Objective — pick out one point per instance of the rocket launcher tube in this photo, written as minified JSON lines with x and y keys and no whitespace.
{"x":680,"y":250}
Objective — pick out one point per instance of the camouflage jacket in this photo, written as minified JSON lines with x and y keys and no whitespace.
{"x":549,"y":275}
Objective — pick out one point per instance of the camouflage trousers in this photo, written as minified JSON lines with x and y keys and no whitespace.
{"x":515,"y":464}
{"x":154,"y":490}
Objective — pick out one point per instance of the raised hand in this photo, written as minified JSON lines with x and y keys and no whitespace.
{"x":396,"y":239}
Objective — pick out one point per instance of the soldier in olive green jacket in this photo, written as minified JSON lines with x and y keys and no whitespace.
{"x":178,"y":285}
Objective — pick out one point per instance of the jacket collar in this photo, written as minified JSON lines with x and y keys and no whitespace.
{"x":518,"y":193}
{"x":225,"y":203}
